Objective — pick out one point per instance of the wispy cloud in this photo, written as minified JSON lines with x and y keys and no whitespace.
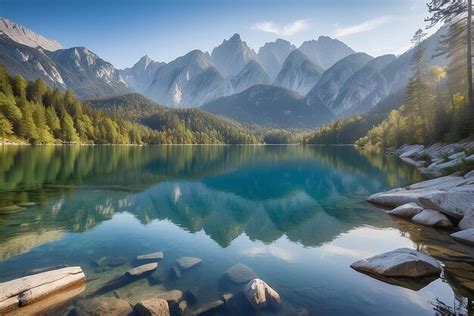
{"x":285,"y":30}
{"x":362,"y":27}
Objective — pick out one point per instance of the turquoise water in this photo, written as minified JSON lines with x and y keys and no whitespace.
{"x":296,"y":215}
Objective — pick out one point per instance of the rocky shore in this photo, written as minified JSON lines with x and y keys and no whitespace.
{"x":59,"y":290}
{"x":446,"y":201}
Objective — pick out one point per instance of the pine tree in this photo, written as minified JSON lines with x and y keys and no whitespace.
{"x":69,"y":133}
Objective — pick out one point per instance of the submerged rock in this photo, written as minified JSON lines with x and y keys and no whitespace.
{"x":151,"y":256}
{"x":452,"y":203}
{"x":99,"y":262}
{"x":103,"y":306}
{"x":154,"y":306}
{"x":260,"y":295}
{"x":182,"y":307}
{"x":227,"y":297}
{"x":207,"y":308}
{"x":27,"y":204}
{"x":240,"y":273}
{"x":401,"y":262}
{"x":464,"y":236}
{"x":406,"y":210}
{"x":138,"y":271}
{"x":172,"y":297}
{"x":175,"y":272}
{"x":116,"y":262}
{"x":192,"y":295}
{"x":432,"y":218}
{"x":186,"y":263}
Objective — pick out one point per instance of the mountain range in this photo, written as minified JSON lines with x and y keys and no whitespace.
{"x":280,"y":86}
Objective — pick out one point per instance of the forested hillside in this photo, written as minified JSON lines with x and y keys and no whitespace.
{"x":32,"y":112}
{"x":436,"y":105}
{"x":182,"y":126}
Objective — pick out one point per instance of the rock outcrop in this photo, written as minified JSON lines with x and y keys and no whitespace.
{"x":401,"y":262}
{"x":30,"y":289}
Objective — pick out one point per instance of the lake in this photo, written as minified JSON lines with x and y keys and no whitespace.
{"x":296,"y":215}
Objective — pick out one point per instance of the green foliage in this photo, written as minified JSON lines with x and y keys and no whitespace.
{"x":280,"y":136}
{"x":181,"y":126}
{"x":345,"y":131}
{"x":32,"y":112}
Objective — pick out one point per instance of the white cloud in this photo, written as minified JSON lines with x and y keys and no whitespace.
{"x":362,"y":27}
{"x":285,"y":30}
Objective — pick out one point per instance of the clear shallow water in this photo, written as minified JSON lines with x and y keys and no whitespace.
{"x":296,"y":215}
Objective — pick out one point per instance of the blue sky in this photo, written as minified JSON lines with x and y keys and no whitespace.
{"x":122,"y":31}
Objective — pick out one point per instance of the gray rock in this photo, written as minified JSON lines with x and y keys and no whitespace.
{"x":186,"y":263}
{"x":260,"y":295}
{"x":397,"y":197}
{"x":151,"y":256}
{"x":154,"y":306}
{"x":465,"y":236}
{"x":413,"y":162}
{"x":432,"y":218}
{"x":469,"y":175}
{"x":469,"y":158}
{"x":141,"y":270}
{"x":401,"y":262}
{"x":406,"y":210}
{"x":103,"y":306}
{"x":207,"y":308}
{"x":449,"y":164}
{"x":438,"y":183}
{"x":467,"y":221}
{"x":411,"y":151}
{"x":457,"y":155}
{"x":452,"y":203}
{"x":240,"y":273}
{"x":172,"y":297}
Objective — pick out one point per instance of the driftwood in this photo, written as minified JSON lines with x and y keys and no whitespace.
{"x":30,"y":291}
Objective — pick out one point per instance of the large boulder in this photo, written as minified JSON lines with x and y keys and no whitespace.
{"x":240,"y":273}
{"x":30,"y":289}
{"x":465,"y":236}
{"x":260,"y":295}
{"x":397,"y":197}
{"x":154,"y":306}
{"x":406,"y":210}
{"x":411,"y":151}
{"x":103,"y":306}
{"x":432,"y":218}
{"x":452,"y":203}
{"x":438,"y":183}
{"x":401,"y":262}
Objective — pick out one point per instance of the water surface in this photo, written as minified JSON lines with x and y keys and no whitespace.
{"x":296,"y":215}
